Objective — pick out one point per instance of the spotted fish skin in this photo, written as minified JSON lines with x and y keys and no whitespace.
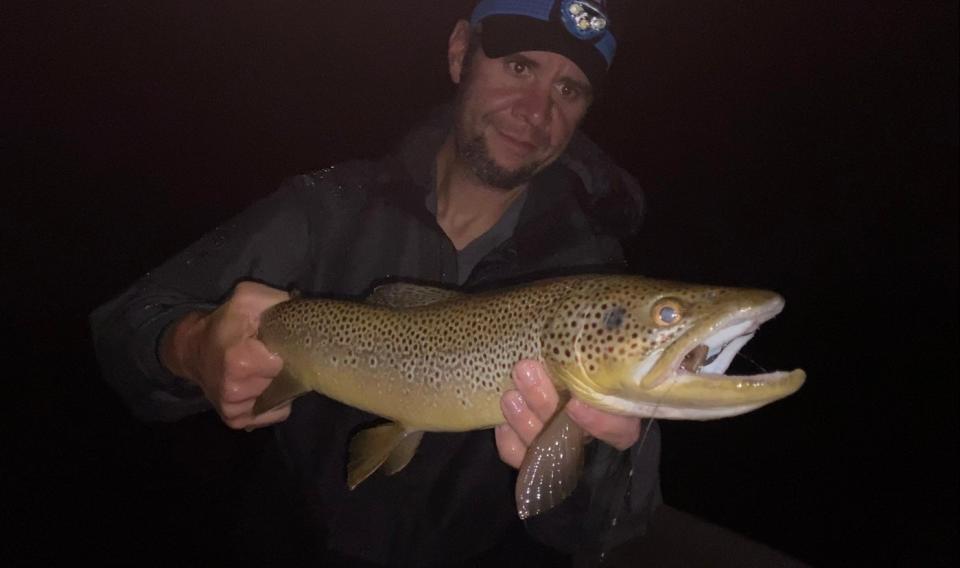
{"x":443,"y":366}
{"x":434,"y":360}
{"x":436,"y":367}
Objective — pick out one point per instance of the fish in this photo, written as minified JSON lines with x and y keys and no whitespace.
{"x":430,"y":359}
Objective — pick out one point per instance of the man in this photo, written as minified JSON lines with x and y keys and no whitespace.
{"x":499,"y":188}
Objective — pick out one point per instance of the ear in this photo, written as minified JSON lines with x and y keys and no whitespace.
{"x":457,"y":49}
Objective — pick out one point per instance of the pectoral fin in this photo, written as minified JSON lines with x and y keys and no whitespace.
{"x":283,"y":388}
{"x":389,"y":445}
{"x":551,"y":466}
{"x":403,"y":453}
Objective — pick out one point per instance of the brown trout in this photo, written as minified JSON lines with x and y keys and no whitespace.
{"x":432,"y":360}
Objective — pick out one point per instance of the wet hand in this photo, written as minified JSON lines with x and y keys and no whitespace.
{"x":219,"y":351}
{"x":535,"y":400}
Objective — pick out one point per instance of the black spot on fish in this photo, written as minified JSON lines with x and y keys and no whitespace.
{"x":613,"y":318}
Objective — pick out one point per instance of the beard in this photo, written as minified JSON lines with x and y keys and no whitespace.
{"x":473,"y":152}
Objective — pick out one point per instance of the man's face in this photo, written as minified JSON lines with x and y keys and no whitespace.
{"x":516,"y":114}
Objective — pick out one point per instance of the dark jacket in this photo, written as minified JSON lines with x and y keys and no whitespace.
{"x":337,"y":232}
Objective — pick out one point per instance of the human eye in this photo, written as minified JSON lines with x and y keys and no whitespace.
{"x":569,"y":92}
{"x":517,"y":67}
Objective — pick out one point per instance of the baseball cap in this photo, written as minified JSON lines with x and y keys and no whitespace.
{"x":580,"y":30}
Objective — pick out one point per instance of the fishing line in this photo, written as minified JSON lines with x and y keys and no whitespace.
{"x":653,"y":416}
{"x":624,"y":500}
{"x":752,"y":362}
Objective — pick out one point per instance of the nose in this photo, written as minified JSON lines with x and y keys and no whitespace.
{"x":534,"y":106}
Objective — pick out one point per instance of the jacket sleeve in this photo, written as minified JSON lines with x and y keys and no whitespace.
{"x":268,"y":243}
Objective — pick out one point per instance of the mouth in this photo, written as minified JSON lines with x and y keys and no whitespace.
{"x":706,"y":358}
{"x":695,"y":385}
{"x":715,"y":354}
{"x":521,"y":145}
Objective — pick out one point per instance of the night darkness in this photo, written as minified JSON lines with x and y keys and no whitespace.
{"x":808,"y":147}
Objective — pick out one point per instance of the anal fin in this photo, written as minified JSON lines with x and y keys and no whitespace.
{"x":551,"y":467}
{"x":389,"y":445}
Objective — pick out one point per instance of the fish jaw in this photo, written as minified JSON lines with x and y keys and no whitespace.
{"x":685,"y":380}
{"x":706,"y":396}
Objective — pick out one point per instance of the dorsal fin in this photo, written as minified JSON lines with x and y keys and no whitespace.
{"x":406,"y":295}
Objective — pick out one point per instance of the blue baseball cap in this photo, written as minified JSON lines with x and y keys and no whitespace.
{"x":579,"y":30}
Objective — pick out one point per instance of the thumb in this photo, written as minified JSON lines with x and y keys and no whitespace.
{"x":253,"y":298}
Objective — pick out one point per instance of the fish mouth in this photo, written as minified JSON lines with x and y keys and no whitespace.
{"x":708,"y":350}
{"x":686,"y":380}
{"x":714,"y":355}
{"x":691,"y":383}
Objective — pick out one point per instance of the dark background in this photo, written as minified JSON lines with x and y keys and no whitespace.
{"x":804,"y":146}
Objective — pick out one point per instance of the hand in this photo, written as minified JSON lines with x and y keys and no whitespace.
{"x":219,"y":351}
{"x":529,"y":407}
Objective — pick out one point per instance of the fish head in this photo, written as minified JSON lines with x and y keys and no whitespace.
{"x":653,"y":348}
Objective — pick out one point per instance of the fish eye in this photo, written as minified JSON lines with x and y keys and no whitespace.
{"x":667,"y":312}
{"x":613,"y":319}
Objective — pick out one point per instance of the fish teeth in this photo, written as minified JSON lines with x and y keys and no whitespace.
{"x":716,"y":353}
{"x":725,"y":355}
{"x":717,"y":341}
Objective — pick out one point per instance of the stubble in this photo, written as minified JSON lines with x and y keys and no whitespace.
{"x":473,"y":152}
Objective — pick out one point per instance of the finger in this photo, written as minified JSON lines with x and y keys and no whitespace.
{"x":235,"y":415}
{"x":619,"y":431}
{"x":245,"y":389}
{"x":278,"y":414}
{"x":509,"y":445}
{"x":247,"y":303}
{"x":250,"y":358}
{"x":253,"y":298}
{"x":537,"y":390}
{"x":521,"y":419}
{"x":239,"y":416}
{"x":271,"y":363}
